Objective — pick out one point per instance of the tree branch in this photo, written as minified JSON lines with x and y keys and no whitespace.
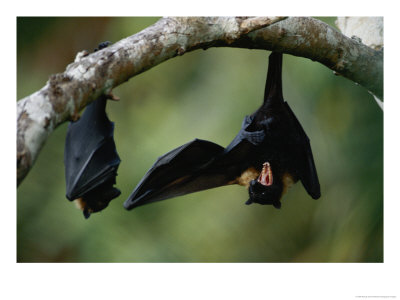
{"x":65,"y":94}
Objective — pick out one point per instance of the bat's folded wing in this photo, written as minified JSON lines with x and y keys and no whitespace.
{"x":90,"y":155}
{"x":97,"y":168}
{"x":304,"y":159}
{"x":189,"y":168}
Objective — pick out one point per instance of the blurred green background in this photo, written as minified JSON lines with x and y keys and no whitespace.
{"x":203,"y":94}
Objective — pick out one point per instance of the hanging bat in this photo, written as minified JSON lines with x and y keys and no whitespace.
{"x":270,"y":152}
{"x":91,"y":159}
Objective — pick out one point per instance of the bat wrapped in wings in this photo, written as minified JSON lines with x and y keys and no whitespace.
{"x":91,"y":159}
{"x":270,"y":152}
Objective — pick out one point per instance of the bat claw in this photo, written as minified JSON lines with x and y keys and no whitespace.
{"x":111,"y":96}
{"x":102,"y":45}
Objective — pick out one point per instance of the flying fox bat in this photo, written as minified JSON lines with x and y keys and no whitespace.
{"x":91,"y":159}
{"x":270,"y":152}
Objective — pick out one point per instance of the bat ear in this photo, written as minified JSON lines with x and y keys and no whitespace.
{"x":277,"y":204}
{"x":248,"y":202}
{"x":86,"y":213}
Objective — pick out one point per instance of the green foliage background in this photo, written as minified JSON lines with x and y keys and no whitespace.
{"x":203,"y":94}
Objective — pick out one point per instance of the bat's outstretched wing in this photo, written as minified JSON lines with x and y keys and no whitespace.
{"x":192,"y":167}
{"x":90,"y":155}
{"x":304,"y":160}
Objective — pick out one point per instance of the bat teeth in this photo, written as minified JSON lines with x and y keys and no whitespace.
{"x":266,"y":177}
{"x":270,"y":175}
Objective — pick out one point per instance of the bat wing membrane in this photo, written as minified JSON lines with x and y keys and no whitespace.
{"x":189,"y":168}
{"x":304,"y":160}
{"x":101,"y":166}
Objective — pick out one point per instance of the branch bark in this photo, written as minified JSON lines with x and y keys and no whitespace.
{"x":369,"y":30}
{"x":65,"y":94}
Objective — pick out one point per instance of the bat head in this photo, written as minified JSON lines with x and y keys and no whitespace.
{"x":266,"y":189}
{"x":97,"y":200}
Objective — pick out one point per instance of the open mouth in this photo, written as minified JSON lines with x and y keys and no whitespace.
{"x":265,"y":177}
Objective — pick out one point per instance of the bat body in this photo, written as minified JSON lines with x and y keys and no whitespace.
{"x":91,"y":159}
{"x":270,"y":152}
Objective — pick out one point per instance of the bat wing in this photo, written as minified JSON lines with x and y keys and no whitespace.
{"x":304,"y":159}
{"x":192,"y":167}
{"x":90,"y":155}
{"x":253,"y":137}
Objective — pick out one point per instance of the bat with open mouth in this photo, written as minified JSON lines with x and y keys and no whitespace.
{"x":91,"y":159}
{"x":270,"y":152}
